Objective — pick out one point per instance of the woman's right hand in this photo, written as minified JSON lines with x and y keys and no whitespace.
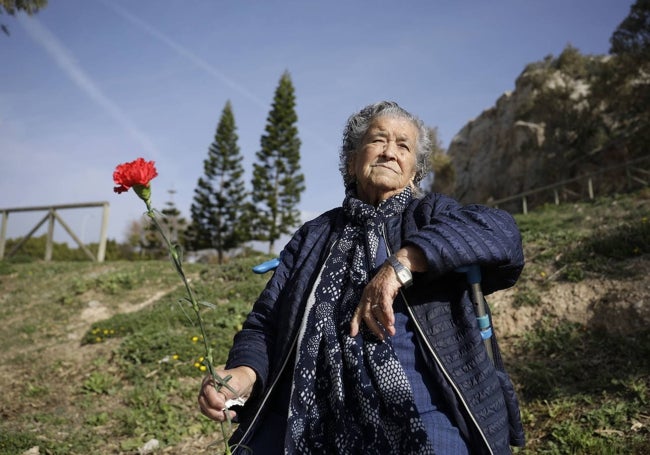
{"x":213,"y":402}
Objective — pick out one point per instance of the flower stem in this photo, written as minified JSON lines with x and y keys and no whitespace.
{"x":217,"y":380}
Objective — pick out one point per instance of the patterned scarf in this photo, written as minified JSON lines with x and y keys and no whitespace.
{"x":351,"y":395}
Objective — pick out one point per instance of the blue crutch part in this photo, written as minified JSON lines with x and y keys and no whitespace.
{"x":484,"y":325}
{"x":266,"y":266}
{"x":473,"y":273}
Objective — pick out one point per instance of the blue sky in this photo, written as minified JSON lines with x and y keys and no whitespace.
{"x":88,"y":84}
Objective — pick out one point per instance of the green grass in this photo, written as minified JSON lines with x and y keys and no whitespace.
{"x":572,"y":241}
{"x":583,"y":391}
{"x":142,"y":368}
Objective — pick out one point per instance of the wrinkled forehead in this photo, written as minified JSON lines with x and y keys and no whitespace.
{"x":394,"y":124}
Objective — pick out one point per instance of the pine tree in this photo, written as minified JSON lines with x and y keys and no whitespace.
{"x":217,"y":209}
{"x":144,"y":236}
{"x":151,"y":243}
{"x":172,"y":221}
{"x":277,"y":182}
{"x":626,"y":85}
{"x":632,"y":36}
{"x":11,"y":7}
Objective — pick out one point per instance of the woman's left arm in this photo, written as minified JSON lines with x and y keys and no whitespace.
{"x":454,"y":236}
{"x":458,"y":236}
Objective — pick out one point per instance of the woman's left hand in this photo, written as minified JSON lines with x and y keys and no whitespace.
{"x":376,"y":305}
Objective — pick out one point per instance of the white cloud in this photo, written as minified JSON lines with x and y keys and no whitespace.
{"x":68,"y":64}
{"x":186,"y":53}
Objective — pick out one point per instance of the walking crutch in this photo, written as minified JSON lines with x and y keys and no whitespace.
{"x":473,"y":273}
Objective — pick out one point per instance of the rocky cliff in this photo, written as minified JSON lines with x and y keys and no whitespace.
{"x":543,"y":131}
{"x":489,"y":156}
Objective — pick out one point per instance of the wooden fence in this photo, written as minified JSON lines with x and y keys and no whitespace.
{"x":51,"y":216}
{"x":635,"y":175}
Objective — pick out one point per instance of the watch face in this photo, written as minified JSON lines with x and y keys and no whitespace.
{"x":404,"y":276}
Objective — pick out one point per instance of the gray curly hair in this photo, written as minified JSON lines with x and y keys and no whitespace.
{"x":358,"y":125}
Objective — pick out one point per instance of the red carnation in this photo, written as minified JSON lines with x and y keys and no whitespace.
{"x":135,"y":174}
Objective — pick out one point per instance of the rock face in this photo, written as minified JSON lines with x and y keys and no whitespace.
{"x":491,"y":153}
{"x":498,"y":154}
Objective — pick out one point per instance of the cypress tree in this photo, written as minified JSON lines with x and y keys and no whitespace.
{"x":277,"y":181}
{"x":219,"y":197}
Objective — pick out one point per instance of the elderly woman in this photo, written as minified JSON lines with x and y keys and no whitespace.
{"x":365,"y":339}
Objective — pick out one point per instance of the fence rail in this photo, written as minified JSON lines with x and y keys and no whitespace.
{"x":51,"y":217}
{"x":631,"y":168}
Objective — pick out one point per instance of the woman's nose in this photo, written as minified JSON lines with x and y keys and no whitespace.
{"x":390,"y":150}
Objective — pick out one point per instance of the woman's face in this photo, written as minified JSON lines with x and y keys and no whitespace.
{"x":385,"y":162}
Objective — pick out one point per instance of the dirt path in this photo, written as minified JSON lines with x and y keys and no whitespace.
{"x":615,"y":305}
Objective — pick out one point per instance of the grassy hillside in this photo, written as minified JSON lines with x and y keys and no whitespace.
{"x":99,"y":358}
{"x":578,"y":327}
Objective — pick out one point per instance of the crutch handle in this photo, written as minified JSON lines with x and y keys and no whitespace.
{"x":266,"y":266}
{"x":473,"y":273}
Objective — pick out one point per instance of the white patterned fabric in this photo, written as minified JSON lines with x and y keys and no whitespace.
{"x":351,"y":395}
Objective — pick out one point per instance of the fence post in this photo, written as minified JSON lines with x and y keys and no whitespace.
{"x":50,"y":236}
{"x":557,"y":197}
{"x":591,"y":189}
{"x":101,"y":249}
{"x":524,"y":205}
{"x":3,"y":233}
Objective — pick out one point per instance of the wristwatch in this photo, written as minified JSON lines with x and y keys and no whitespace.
{"x":404,"y":275}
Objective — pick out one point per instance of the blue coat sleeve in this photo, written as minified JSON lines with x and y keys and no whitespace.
{"x":252,"y":346}
{"x":452,"y":236}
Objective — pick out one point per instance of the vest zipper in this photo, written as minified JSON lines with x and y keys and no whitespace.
{"x":433,"y":353}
